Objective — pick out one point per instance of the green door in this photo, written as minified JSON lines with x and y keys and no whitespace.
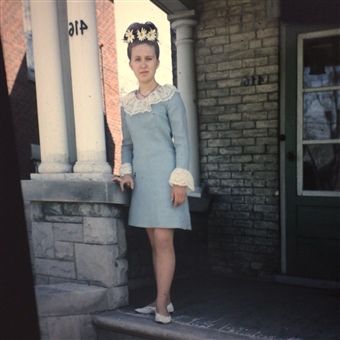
{"x":311,"y":151}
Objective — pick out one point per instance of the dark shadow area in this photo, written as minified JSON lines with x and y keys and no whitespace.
{"x":18,"y":307}
{"x":25,"y":119}
{"x":110,"y":147}
{"x":310,"y":11}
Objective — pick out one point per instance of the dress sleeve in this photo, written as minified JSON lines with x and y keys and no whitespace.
{"x":179,"y":128}
{"x":127,"y":148}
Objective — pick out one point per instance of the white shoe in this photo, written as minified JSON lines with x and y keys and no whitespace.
{"x":152,"y":310}
{"x":162,"y":319}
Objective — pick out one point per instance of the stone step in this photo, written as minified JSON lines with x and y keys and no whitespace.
{"x":120,"y":325}
{"x":70,"y":299}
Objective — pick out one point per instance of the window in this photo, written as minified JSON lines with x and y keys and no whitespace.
{"x":318,"y":114}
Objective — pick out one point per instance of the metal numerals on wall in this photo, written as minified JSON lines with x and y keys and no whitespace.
{"x":76,"y":28}
{"x":254,"y":80}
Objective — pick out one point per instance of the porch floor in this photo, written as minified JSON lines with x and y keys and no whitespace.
{"x":240,"y":308}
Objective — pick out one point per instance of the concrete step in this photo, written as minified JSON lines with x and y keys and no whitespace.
{"x":70,"y":299}
{"x":122,"y":325}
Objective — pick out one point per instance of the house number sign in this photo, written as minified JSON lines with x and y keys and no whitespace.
{"x":77,"y":27}
{"x":254,"y":80}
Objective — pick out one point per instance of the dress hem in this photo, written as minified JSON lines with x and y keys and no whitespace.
{"x":142,"y":226}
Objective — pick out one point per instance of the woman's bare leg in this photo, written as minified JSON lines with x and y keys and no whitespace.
{"x":163,"y":256}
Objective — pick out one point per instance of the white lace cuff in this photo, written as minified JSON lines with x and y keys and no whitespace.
{"x":183,"y":178}
{"x":125,"y":169}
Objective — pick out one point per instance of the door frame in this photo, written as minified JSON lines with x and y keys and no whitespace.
{"x":283,"y":149}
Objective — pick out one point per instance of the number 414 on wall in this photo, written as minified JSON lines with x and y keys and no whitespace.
{"x":254,"y":80}
{"x":76,"y":27}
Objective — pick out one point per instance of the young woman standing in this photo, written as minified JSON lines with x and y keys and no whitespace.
{"x":155,"y":161}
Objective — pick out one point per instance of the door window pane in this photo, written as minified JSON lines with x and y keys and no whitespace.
{"x":321,"y":62}
{"x":321,"y":167}
{"x":318,"y":116}
{"x":321,"y":115}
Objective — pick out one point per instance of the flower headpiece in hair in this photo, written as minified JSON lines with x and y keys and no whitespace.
{"x":141,"y":32}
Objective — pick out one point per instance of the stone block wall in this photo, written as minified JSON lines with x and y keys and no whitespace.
{"x":78,"y":242}
{"x":78,"y":247}
{"x":237,"y":62}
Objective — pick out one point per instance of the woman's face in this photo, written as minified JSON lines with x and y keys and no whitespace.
{"x":144,"y":62}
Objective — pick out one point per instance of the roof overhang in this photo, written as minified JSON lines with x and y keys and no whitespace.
{"x":173,"y":6}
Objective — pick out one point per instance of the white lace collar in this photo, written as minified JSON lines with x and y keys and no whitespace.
{"x":132,"y":105}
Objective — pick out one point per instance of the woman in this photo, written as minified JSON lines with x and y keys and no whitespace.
{"x":155,"y":161}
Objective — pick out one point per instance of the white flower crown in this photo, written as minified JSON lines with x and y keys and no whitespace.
{"x":141,"y":35}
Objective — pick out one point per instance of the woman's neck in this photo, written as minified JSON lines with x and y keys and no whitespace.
{"x":145,"y":88}
{"x":145,"y":91}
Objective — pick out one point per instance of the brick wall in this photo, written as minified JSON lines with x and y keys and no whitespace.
{"x":109,"y":74}
{"x":21,"y":90}
{"x":238,"y":126}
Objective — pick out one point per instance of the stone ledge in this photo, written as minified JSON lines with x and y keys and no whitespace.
{"x":199,"y":204}
{"x":74,"y":191}
{"x":114,"y":325}
{"x":70,"y":299}
{"x":306,"y":282}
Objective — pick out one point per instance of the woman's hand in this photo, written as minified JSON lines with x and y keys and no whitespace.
{"x":178,"y":195}
{"x":126,"y":180}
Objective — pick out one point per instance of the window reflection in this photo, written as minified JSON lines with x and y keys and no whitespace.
{"x":321,"y":62}
{"x":321,"y":170}
{"x":329,"y":77}
{"x":321,"y":114}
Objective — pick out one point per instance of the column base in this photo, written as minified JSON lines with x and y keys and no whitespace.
{"x":92,"y":167}
{"x":73,"y":177}
{"x":52,"y":168}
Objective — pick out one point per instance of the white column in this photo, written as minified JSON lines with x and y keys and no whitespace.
{"x":183,"y":24}
{"x":49,"y":88}
{"x":87,"y":97}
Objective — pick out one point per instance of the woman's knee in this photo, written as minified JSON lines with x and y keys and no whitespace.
{"x":163,"y":238}
{"x":150,"y":233}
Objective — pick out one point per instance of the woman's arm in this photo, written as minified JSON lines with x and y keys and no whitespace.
{"x":127,"y":148}
{"x":178,"y":123}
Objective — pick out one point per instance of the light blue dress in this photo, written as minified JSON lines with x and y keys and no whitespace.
{"x":155,"y":150}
